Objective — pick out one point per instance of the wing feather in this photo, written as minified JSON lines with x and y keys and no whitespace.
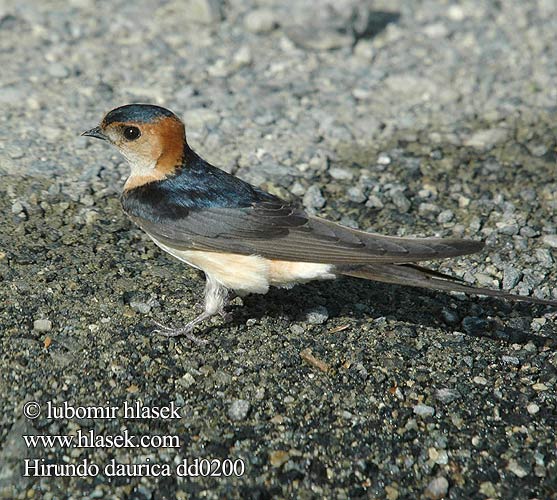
{"x":281,"y":231}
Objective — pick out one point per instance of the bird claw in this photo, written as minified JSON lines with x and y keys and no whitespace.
{"x":185,"y":331}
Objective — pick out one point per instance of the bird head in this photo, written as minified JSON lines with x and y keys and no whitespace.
{"x":151,"y":138}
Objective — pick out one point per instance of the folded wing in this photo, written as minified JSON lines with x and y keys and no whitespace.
{"x":280,"y":231}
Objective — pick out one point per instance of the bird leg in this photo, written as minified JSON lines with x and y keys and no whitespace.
{"x":216,"y":297}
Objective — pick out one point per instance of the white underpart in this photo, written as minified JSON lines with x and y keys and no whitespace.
{"x":249,"y":273}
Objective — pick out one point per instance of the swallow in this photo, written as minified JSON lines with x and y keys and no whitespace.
{"x":245,"y":239}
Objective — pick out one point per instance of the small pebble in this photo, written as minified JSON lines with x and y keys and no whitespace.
{"x":543,"y":256}
{"x":279,"y":457}
{"x":508,"y":229}
{"x":511,"y":277}
{"x":424,"y":410}
{"x":487,"y":489}
{"x":450,"y":317}
{"x":540,"y":386}
{"x":317,"y":315}
{"x":455,"y":13}
{"x":187,"y":380}
{"x":550,"y":240}
{"x":204,"y":11}
{"x":510,"y":360}
{"x":533,"y":408}
{"x":314,"y":198}
{"x":445,"y":216}
{"x":401,"y":201}
{"x":437,"y":488}
{"x":297,"y":329}
{"x":260,"y":21}
{"x":391,"y":492}
{"x":428,"y":209}
{"x":364,"y":50}
{"x":356,"y":194}
{"x":438,"y":456}
{"x":516,"y":468}
{"x":243,"y":57}
{"x":446,"y":395}
{"x":341,"y":174}
{"x":239,"y":409}
{"x":384,"y":159}
{"x":474,"y":326}
{"x":42,"y":325}
{"x":139,"y":306}
{"x":58,"y":70}
{"x":374,"y":202}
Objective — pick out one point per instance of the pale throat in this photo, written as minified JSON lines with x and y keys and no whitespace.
{"x":142,"y":170}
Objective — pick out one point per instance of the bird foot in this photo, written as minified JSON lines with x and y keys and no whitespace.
{"x":185,"y":331}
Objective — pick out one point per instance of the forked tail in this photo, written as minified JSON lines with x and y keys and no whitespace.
{"x":417,"y":276}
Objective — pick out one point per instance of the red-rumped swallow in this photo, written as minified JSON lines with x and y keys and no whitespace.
{"x":245,"y":239}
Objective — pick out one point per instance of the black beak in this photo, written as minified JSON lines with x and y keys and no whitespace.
{"x":97,"y":133}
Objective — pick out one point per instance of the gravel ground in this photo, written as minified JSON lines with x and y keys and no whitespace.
{"x":423,"y":118}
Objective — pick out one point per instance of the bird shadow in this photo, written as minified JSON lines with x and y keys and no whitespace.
{"x":360,"y":300}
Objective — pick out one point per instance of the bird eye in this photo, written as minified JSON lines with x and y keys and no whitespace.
{"x":131,"y":133}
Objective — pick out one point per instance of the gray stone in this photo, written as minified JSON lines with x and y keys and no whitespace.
{"x":349,"y":222}
{"x":139,"y":306}
{"x":364,"y":50}
{"x":42,"y":325}
{"x":374,"y":201}
{"x":428,"y":209}
{"x":243,"y":57}
{"x":313,"y":199}
{"x":297,"y":329}
{"x":486,"y":139}
{"x":260,"y":21}
{"x":424,"y":410}
{"x":446,"y":395}
{"x":508,"y":229}
{"x":528,"y":232}
{"x":450,"y":317}
{"x":544,"y":257}
{"x":356,"y":194}
{"x":317,"y":39}
{"x":516,"y":468}
{"x":511,"y":277}
{"x":384,"y":159}
{"x":401,"y":201}
{"x":317,"y":316}
{"x":58,"y":70}
{"x":436,"y":30}
{"x":437,"y":488}
{"x":239,"y":409}
{"x":341,"y":174}
{"x":297,"y":189}
{"x":474,"y":325}
{"x":203,"y":11}
{"x":445,"y":216}
{"x":550,"y":240}
{"x":510,"y":360}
